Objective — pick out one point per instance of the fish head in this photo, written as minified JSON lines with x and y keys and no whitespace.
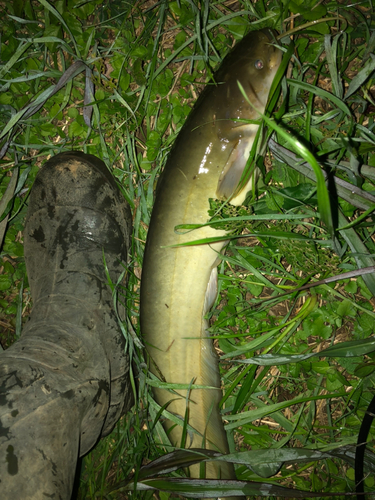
{"x":253,"y":63}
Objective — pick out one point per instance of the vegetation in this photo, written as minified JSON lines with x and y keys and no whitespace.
{"x":117,"y":79}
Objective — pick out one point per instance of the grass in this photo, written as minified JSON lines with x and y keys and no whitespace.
{"x":144,"y":63}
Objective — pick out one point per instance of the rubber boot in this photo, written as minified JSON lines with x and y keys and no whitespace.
{"x":65,"y":383}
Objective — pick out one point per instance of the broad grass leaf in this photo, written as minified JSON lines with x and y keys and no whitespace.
{"x":360,"y":78}
{"x":208,"y":488}
{"x":343,"y":349}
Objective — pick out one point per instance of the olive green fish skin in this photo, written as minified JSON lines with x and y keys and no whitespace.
{"x":209,"y":148}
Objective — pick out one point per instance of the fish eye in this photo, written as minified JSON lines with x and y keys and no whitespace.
{"x":259,"y":64}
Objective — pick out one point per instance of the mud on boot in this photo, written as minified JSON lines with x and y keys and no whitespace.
{"x":65,"y":383}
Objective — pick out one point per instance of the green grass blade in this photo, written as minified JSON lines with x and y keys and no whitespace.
{"x":361,"y":77}
{"x":57,"y":14}
{"x":344,"y":349}
{"x":208,"y":488}
{"x":324,"y":94}
{"x":22,"y":48}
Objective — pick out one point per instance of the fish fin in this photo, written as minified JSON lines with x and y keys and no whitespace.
{"x":209,"y":362}
{"x":232,"y":172}
{"x":240,"y":197}
{"x":211,"y":291}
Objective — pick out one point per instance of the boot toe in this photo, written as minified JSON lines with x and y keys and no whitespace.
{"x":77,"y":215}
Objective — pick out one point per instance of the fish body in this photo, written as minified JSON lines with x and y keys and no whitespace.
{"x":179,"y":284}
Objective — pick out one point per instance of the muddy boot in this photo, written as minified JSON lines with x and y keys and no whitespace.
{"x":65,"y":383}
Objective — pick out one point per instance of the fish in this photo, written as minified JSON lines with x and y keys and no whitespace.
{"x":179,"y":284}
